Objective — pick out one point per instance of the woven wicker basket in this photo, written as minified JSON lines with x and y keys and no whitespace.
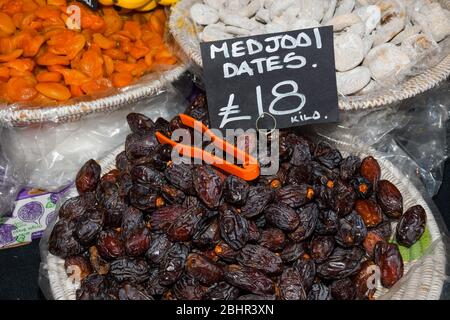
{"x":184,"y":31}
{"x":147,"y":86}
{"x":423,"y":279}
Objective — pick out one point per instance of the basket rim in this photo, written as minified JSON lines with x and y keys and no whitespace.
{"x":406,"y":89}
{"x":425,"y":284}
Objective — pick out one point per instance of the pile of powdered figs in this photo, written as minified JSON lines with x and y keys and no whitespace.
{"x":377,"y":42}
{"x":151,"y":229}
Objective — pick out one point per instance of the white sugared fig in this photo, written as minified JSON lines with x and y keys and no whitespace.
{"x":348,"y":51}
{"x":393,"y":20}
{"x":418,"y":46}
{"x":385,"y":61}
{"x":352,"y":81}
{"x":203,"y":14}
{"x":341,"y":22}
{"x":344,"y":7}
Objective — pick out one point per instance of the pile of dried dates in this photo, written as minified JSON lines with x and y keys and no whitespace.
{"x":151,"y":229}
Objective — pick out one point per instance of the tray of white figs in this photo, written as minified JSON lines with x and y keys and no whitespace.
{"x":385,"y":50}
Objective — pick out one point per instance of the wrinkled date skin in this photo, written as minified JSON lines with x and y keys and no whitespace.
{"x":233,"y":227}
{"x":248,"y":279}
{"x":139,"y":123}
{"x":371,"y":170}
{"x":411,"y":226}
{"x":189,"y":288}
{"x":370,"y":242}
{"x":258,"y":198}
{"x":110,"y":245}
{"x":328,"y":223}
{"x":221,"y":291}
{"x":132,"y":292}
{"x":273,"y":239}
{"x":173,"y":264}
{"x":260,"y":258}
{"x":183,"y":227}
{"x":128,"y":269}
{"x":180,"y":175}
{"x":320,"y":292}
{"x":327,"y":155}
{"x":349,"y":168}
{"x":341,"y":264}
{"x":370,"y":212}
{"x":89,"y":226}
{"x":162,"y":218}
{"x":138,"y":242}
{"x":388,"y":258}
{"x":208,"y":185}
{"x":390,"y":199}
{"x":343,"y":289}
{"x":365,"y":281}
{"x":295,"y":196}
{"x":62,"y":243}
{"x":308,"y":215}
{"x":282,"y":216}
{"x":321,"y":247}
{"x":203,"y":269}
{"x":291,"y":285}
{"x":352,"y":231}
{"x":292,"y":252}
{"x":88,"y":177}
{"x":307,"y":269}
{"x":207,"y":233}
{"x":342,"y":198}
{"x":139,"y":145}
{"x":93,"y":287}
{"x":235,"y":190}
{"x":158,"y":248}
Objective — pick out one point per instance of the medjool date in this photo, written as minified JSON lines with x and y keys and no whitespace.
{"x":172,"y":265}
{"x":295,"y":196}
{"x":162,"y":218}
{"x":291,"y":285}
{"x":143,"y":197}
{"x":208,"y":185}
{"x":319,"y":291}
{"x":77,"y":267}
{"x":137,"y":242}
{"x":203,"y":269}
{"x":307,"y":269}
{"x":411,"y":226}
{"x":89,"y":226}
{"x":184,"y":226}
{"x":180,"y":175}
{"x":189,"y":288}
{"x":258,"y":198}
{"x":390,"y":199}
{"x":370,"y":169}
{"x":235,"y":190}
{"x":133,"y":292}
{"x":62,"y":242}
{"x":171,"y":194}
{"x":343,"y":289}
{"x":292,"y":252}
{"x":221,"y":291}
{"x":233,"y":227}
{"x":207,"y":233}
{"x":327,"y":155}
{"x":147,"y":176}
{"x":349,"y":167}
{"x":370,"y":212}
{"x":370,"y":241}
{"x":308,"y":215}
{"x":226,"y":252}
{"x":365,"y":281}
{"x":273,"y":239}
{"x":110,"y":245}
{"x":321,"y":247}
{"x":352,"y":231}
{"x":328,"y":223}
{"x":139,"y":145}
{"x":72,"y":209}
{"x":93,"y":287}
{"x":88,"y":177}
{"x":388,"y":258}
{"x":363,"y":187}
{"x":341,"y":264}
{"x":158,"y":248}
{"x":140,"y":123}
{"x":260,"y":258}
{"x":248,"y":279}
{"x":128,"y":269}
{"x":342,"y":198}
{"x":282,"y":217}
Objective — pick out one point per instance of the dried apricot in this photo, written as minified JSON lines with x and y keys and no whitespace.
{"x":21,"y":89}
{"x":21,"y":64}
{"x":76,"y":91}
{"x":121,"y":79}
{"x":96,"y":86}
{"x":103,"y":42}
{"x":54,"y":90}
{"x":109,"y":65}
{"x":112,"y":20}
{"x":67,"y":43}
{"x":11,"y":56}
{"x":73,"y":77}
{"x":115,"y":54}
{"x":48,"y":76}
{"x":92,"y":64}
{"x":13,"y":6}
{"x":4,"y":73}
{"x":48,"y":59}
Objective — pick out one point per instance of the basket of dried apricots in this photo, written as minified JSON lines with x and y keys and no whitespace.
{"x":60,"y":60}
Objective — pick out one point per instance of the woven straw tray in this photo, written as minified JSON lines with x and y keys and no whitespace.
{"x":147,"y":86}
{"x":184,"y":31}
{"x":423,"y":279}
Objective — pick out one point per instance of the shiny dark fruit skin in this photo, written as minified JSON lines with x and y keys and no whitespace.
{"x":208,"y":185}
{"x":203,"y":269}
{"x":189,"y":288}
{"x":343,"y":289}
{"x":129,"y":269}
{"x":153,"y":285}
{"x":365,"y":281}
{"x":327,"y":155}
{"x":258,"y":198}
{"x":342,"y":198}
{"x":299,"y":150}
{"x":159,"y":245}
{"x":184,"y":226}
{"x":411,"y":226}
{"x":370,"y":241}
{"x":390,"y":199}
{"x":140,"y":123}
{"x":132,"y":219}
{"x":88,"y":227}
{"x":341,"y":264}
{"x":352,"y":231}
{"x":132,"y":292}
{"x":384,"y":230}
{"x":180,"y":175}
{"x":308,"y":271}
{"x":294,"y":196}
{"x":282,"y":216}
{"x":173,"y":263}
{"x":171,"y":194}
{"x":207,"y":233}
{"x":221,"y":291}
{"x":349,"y":167}
{"x":256,"y":297}
{"x":77,"y":267}
{"x":93,"y":287}
{"x":327,"y":223}
{"x":248,"y":279}
{"x":254,"y":233}
{"x":292,"y":252}
{"x":62,"y":242}
{"x":291,"y":285}
{"x":370,"y":212}
{"x":388,"y":258}
{"x":363,"y":187}
{"x":233,"y":227}
{"x":298,"y":175}
{"x":235,"y":190}
{"x":320,"y":292}
{"x":99,"y":265}
{"x":225,"y":252}
{"x":321,"y":247}
{"x":88,"y":177}
{"x":139,"y":145}
{"x":72,"y":209}
{"x":137,"y":242}
{"x":260,"y":258}
{"x":110,"y":245}
{"x":308,"y":215}
{"x":122,"y":162}
{"x":273,"y":239}
{"x":143,"y":197}
{"x":146,"y":175}
{"x":162,"y":218}
{"x":371,"y":170}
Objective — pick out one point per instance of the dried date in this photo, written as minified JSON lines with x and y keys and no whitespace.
{"x":308,"y":215}
{"x":233,"y":227}
{"x":110,"y":245}
{"x":321,"y":247}
{"x":327,"y":155}
{"x":260,"y":258}
{"x":352,"y":231}
{"x":273,"y":239}
{"x":129,"y":270}
{"x":371,"y":170}
{"x":235,"y":190}
{"x":258,"y":198}
{"x":139,"y":123}
{"x":388,"y":258}
{"x":184,"y":226}
{"x":162,"y":218}
{"x":343,"y":289}
{"x":173,"y":263}
{"x":203,"y":269}
{"x":88,"y":177}
{"x":137,"y":242}
{"x":411,"y":226}
{"x":320,"y":292}
{"x":208,"y":185}
{"x":291,"y":285}
{"x":341,"y":264}
{"x":390,"y":199}
{"x":282,"y":216}
{"x":248,"y":279}
{"x":370,"y":212}
{"x":295,"y":195}
{"x":62,"y":242}
{"x":221,"y":291}
{"x":349,"y":167}
{"x":158,"y":248}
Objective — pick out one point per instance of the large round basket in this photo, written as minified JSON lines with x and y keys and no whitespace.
{"x":147,"y":86}
{"x":424,"y":277}
{"x":184,"y":31}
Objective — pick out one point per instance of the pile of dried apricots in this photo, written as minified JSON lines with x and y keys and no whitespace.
{"x":43,"y":59}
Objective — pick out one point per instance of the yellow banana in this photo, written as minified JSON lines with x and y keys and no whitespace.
{"x":130,"y":4}
{"x":166,"y":2}
{"x":148,"y":6}
{"x":106,"y":2}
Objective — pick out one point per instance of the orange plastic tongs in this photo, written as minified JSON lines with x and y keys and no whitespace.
{"x":250,"y":167}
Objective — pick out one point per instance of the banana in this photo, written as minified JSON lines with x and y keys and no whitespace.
{"x":148,"y":6}
{"x":166,"y":2}
{"x":106,"y":2}
{"x":130,"y":4}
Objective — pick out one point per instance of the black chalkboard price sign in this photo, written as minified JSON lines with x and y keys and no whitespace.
{"x":271,"y":81}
